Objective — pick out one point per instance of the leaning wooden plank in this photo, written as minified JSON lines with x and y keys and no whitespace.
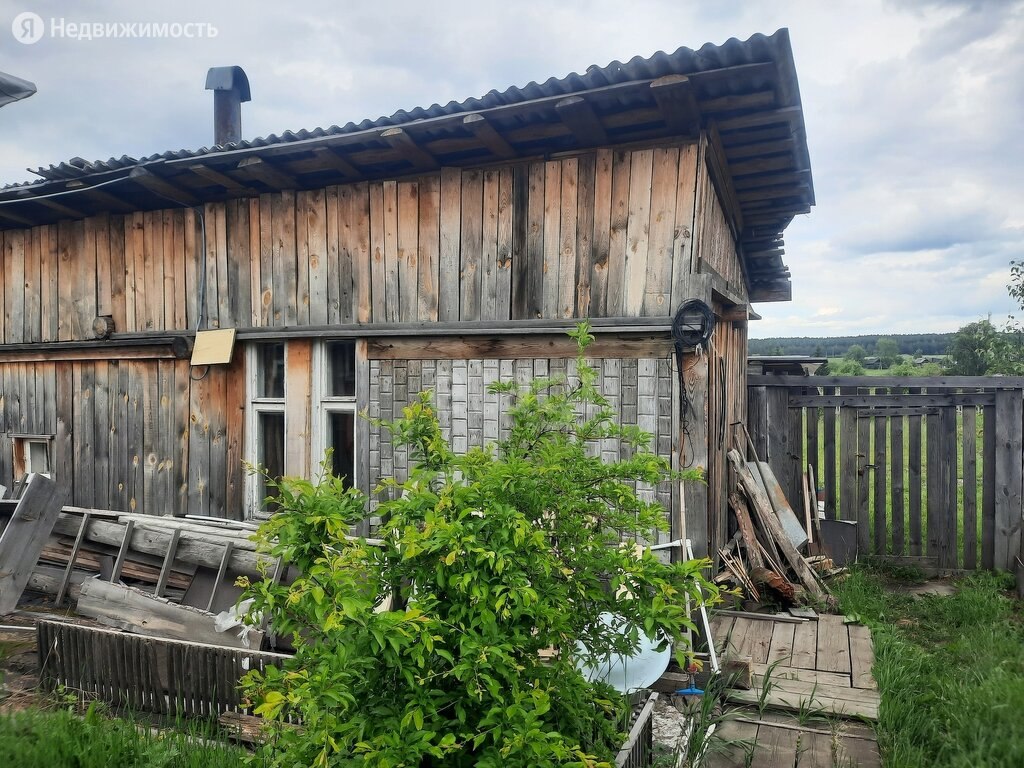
{"x":62,"y":590}
{"x":763,"y":509}
{"x":23,"y":538}
{"x":746,"y":526}
{"x":765,"y":477}
{"x":136,"y":611}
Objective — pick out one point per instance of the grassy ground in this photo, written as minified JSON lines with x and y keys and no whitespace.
{"x":60,"y":739}
{"x":950,"y":670}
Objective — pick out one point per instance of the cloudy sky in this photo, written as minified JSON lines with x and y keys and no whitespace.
{"x":913,"y":110}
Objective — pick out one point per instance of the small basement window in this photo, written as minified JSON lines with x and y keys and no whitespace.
{"x":32,"y":454}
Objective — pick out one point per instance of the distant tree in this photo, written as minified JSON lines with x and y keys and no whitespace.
{"x":918,"y":353}
{"x":818,"y":352}
{"x":970,"y":352}
{"x":888,"y":352}
{"x":777,"y":351}
{"x":856,"y":354}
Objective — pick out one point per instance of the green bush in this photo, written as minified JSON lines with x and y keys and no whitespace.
{"x":426,"y":650}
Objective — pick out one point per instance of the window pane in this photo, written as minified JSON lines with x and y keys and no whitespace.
{"x":341,"y":368}
{"x":341,"y":437}
{"x":270,"y":450}
{"x":270,"y":370}
{"x":39,"y":457}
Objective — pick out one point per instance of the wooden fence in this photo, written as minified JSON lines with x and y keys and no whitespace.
{"x":926,"y":466}
{"x":145,"y":674}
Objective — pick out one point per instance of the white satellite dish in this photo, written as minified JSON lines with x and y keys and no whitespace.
{"x":625,"y":673}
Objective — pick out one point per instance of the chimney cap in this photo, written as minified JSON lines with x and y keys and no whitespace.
{"x":228,"y":79}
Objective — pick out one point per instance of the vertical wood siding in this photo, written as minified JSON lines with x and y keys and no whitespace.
{"x":607,"y":233}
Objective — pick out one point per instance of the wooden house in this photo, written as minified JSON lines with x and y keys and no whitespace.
{"x":444,"y":247}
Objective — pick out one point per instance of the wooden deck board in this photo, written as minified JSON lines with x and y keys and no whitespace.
{"x":753,"y":638}
{"x":833,"y":645}
{"x":781,"y":650}
{"x":805,"y":645}
{"x":821,"y":668}
{"x":862,"y":658}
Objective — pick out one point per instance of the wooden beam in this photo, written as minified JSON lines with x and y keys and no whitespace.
{"x":217,"y":177}
{"x":267,"y":172}
{"x":332,"y":159}
{"x":103,"y":197}
{"x":763,"y":254}
{"x":759,"y":148}
{"x":136,"y":611}
{"x":579,"y":116}
{"x":755,"y":100}
{"x":162,"y":187}
{"x":773,"y":179}
{"x":10,"y":215}
{"x":763,"y":165}
{"x":722,"y":178}
{"x":64,"y":210}
{"x":677,"y":103}
{"x":482,"y":347}
{"x":758,"y":119}
{"x":973,"y":383}
{"x":479,"y":126}
{"x":408,"y":149}
{"x":773,"y":193}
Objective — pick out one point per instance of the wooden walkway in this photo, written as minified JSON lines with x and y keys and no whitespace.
{"x":819,"y":691}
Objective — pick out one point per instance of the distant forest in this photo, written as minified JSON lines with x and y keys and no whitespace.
{"x":837,"y":346}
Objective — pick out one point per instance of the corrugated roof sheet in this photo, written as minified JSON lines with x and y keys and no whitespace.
{"x":684,"y":61}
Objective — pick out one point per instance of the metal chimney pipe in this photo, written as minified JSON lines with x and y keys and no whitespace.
{"x":230,"y":88}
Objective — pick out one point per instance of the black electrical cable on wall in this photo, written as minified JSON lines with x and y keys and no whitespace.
{"x":692,"y":328}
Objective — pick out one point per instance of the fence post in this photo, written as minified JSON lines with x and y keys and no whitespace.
{"x":1008,"y":477}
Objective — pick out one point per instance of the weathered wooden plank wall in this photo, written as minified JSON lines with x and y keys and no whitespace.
{"x":595,"y":235}
{"x":603,"y":234}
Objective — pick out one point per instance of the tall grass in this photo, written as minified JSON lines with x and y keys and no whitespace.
{"x":950,"y":671}
{"x":38,"y":739}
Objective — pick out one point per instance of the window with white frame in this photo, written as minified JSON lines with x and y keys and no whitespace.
{"x":333,"y":417}
{"x":32,"y":454}
{"x":334,"y":393}
{"x":266,"y":365}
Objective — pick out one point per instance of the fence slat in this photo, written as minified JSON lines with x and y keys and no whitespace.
{"x":880,"y":476}
{"x":932,"y":471}
{"x":915,"y":465}
{"x":896,"y":485}
{"x":988,"y":485}
{"x":946,"y":506}
{"x":970,"y":474}
{"x":811,"y":422}
{"x":848,"y":463}
{"x":829,"y":478}
{"x":863,"y":485}
{"x":1008,"y":477}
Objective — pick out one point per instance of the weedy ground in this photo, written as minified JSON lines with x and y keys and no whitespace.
{"x":950,"y":669}
{"x":36,"y":738}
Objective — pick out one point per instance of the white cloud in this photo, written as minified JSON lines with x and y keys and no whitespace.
{"x":912,"y":108}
